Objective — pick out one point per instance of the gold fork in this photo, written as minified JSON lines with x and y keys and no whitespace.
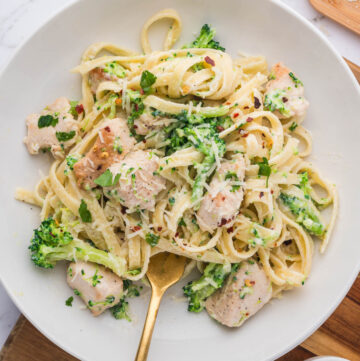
{"x":164,"y":270}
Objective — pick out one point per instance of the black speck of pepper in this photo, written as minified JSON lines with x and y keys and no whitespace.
{"x":261,"y":194}
{"x":256,"y":103}
{"x":284,"y":99}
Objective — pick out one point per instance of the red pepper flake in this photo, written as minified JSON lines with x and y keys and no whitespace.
{"x":209,"y":61}
{"x":142,"y":91}
{"x":252,"y":283}
{"x":136,"y":106}
{"x":284,"y":99}
{"x":228,"y":103}
{"x":247,"y":314}
{"x":159,"y":229}
{"x":272,"y":192}
{"x":135,"y":126}
{"x":230,"y":230}
{"x":246,"y":107}
{"x":236,"y":115}
{"x":219,"y":128}
{"x":107,"y":129}
{"x":136,"y":228}
{"x":223,"y":222}
{"x":79,"y":108}
{"x":249,"y":119}
{"x":144,"y":140}
{"x":245,"y":135}
{"x":263,"y":145}
{"x":261,"y":194}
{"x":256,"y":103}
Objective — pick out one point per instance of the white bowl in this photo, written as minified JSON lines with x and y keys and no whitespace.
{"x":39,"y":72}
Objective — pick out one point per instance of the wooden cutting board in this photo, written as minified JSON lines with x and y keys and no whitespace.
{"x":338,"y":336}
{"x":345,"y":12}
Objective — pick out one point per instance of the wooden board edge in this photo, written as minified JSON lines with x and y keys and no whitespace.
{"x":12,"y":337}
{"x":329,"y":11}
{"x":354,"y":68}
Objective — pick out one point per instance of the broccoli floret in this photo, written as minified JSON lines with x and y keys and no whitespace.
{"x":305,"y":214}
{"x":205,"y":39}
{"x":136,"y":105}
{"x":304,"y":184}
{"x":114,"y":68}
{"x":52,"y":243}
{"x":274,"y":101}
{"x":121,"y":310}
{"x":212,"y":279}
{"x":201,"y":131}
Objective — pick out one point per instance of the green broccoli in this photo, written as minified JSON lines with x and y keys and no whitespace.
{"x":52,"y":242}
{"x":304,"y":184}
{"x":121,"y":310}
{"x":207,"y":141}
{"x":275,"y":101}
{"x":212,"y":279}
{"x":115,"y":69}
{"x":205,"y":39}
{"x":305,"y":214}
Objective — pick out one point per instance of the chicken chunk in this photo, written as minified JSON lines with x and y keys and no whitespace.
{"x":113,"y":143}
{"x":222,"y":202}
{"x":243,"y":294}
{"x":97,"y":286}
{"x":285,"y":94}
{"x":144,"y":124}
{"x":53,"y":129}
{"x":138,"y":184}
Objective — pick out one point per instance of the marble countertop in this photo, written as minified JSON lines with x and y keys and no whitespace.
{"x":21,"y":18}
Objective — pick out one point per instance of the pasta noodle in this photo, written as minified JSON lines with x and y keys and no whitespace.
{"x":264,"y":228}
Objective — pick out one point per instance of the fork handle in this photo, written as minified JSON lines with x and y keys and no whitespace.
{"x":144,"y":344}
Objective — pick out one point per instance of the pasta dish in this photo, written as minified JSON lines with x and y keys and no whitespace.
{"x":187,"y":150}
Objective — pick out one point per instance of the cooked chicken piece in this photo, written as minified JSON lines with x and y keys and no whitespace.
{"x":113,"y":143}
{"x":138,"y":185}
{"x":243,"y":294}
{"x":144,"y":124}
{"x":285,"y":94}
{"x":222,"y":202}
{"x":97,"y":286}
{"x":97,"y":76}
{"x":53,"y":129}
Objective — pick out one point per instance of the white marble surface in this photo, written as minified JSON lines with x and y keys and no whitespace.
{"x":20,"y":18}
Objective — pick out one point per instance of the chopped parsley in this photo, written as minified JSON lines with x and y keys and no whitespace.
{"x":152,"y":239}
{"x":146,"y":81}
{"x":77,"y":292}
{"x":172,"y":200}
{"x":85,"y":214}
{"x":296,"y":80}
{"x":264,"y":169}
{"x":107,"y":179}
{"x":293,"y":126}
{"x":65,"y":136}
{"x":114,"y":68}
{"x":69,"y":301}
{"x":47,"y":121}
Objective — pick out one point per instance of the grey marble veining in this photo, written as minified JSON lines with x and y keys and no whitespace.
{"x":21,"y":18}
